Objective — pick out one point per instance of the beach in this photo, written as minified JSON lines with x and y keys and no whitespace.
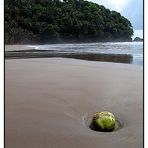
{"x":49,"y":103}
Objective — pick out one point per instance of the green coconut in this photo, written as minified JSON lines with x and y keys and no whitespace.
{"x":104,"y":121}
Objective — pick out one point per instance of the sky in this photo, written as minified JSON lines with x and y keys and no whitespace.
{"x":131,"y":9}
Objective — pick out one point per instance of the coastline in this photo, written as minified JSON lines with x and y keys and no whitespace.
{"x":19,"y":46}
{"x":48,"y":98}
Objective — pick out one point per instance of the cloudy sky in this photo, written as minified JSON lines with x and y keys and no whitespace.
{"x":131,"y":9}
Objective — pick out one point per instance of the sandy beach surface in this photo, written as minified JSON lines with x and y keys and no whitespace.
{"x":49,"y":103}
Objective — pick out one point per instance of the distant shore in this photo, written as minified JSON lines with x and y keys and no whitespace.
{"x":49,"y":102}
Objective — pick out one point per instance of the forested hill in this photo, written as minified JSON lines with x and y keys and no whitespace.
{"x":46,"y":21}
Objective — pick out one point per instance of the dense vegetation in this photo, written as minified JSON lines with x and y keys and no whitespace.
{"x":45,"y":21}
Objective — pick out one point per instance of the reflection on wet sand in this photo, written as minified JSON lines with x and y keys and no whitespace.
{"x":118,"y":58}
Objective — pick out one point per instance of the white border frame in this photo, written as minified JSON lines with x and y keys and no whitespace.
{"x":145,"y":74}
{"x":1,"y":74}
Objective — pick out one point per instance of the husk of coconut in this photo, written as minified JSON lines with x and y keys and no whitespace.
{"x":103,"y":121}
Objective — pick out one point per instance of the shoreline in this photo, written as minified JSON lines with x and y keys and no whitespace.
{"x":48,"y":98}
{"x":93,"y":52}
{"x":31,"y":44}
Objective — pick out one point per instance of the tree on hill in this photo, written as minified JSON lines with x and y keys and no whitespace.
{"x":45,"y":21}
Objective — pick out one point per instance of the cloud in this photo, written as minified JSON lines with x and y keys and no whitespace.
{"x":134,"y":12}
{"x":116,"y":5}
{"x":131,"y":9}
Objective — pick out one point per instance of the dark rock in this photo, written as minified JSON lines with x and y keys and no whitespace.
{"x":137,"y":39}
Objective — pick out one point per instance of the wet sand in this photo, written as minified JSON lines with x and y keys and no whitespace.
{"x":25,"y":51}
{"x":49,"y":103}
